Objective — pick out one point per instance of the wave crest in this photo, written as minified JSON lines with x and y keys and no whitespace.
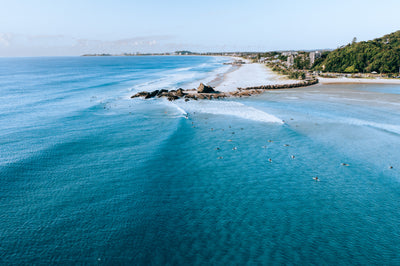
{"x":227,"y":108}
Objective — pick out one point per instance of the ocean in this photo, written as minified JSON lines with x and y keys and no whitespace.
{"x":90,"y":176}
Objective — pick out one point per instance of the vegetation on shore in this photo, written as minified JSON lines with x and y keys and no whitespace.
{"x":284,"y":70}
{"x":364,"y":59}
{"x":381,"y":55}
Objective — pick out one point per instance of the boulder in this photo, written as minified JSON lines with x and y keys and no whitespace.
{"x":190,"y":96}
{"x":205,"y":89}
{"x":154,"y":93}
{"x":140,"y":94}
{"x":180,"y":93}
{"x":172,"y":98}
{"x":162,"y":91}
{"x":163,"y":94}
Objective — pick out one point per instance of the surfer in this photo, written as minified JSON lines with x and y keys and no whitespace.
{"x":316,"y":178}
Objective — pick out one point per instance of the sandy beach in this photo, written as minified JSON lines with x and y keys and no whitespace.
{"x":357,"y":81}
{"x":250,"y":75}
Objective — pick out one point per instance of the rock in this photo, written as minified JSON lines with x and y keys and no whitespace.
{"x":154,"y":93}
{"x":163,"y":94}
{"x":162,"y":91}
{"x":190,"y":96}
{"x":140,"y":94}
{"x":220,"y":96}
{"x":180,"y":93}
{"x":172,"y":98}
{"x":205,"y":89}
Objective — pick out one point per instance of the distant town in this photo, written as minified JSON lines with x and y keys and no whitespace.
{"x":378,"y":57}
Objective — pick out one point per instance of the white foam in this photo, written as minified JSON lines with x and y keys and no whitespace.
{"x":209,"y":77}
{"x":226,"y":108}
{"x":387,"y":127}
{"x":169,"y":81}
{"x":183,"y":112}
{"x":187,"y":77}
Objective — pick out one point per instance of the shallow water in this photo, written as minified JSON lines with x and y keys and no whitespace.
{"x":91,"y":176}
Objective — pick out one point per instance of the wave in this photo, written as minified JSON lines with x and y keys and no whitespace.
{"x":381,"y":126}
{"x":186,"y":77}
{"x":228,"y":108}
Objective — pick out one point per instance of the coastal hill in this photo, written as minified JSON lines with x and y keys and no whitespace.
{"x":381,"y":55}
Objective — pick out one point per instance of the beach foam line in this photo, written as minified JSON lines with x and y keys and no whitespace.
{"x":229,"y":108}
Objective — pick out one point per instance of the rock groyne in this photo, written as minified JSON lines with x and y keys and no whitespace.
{"x":208,"y":92}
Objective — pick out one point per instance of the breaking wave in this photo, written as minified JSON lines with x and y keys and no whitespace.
{"x":229,"y":108}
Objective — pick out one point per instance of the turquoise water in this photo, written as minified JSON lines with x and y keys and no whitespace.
{"x":90,"y":176}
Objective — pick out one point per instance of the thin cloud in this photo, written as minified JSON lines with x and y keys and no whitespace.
{"x":18,"y":44}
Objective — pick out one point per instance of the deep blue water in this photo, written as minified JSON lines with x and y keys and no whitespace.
{"x":89,"y":176}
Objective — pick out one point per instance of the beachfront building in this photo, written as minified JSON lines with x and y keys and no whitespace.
{"x":290,"y":53}
{"x":290,"y":60}
{"x":262,"y":60}
{"x":313,"y":56}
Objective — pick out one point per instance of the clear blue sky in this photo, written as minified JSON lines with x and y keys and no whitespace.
{"x":74,"y":27}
